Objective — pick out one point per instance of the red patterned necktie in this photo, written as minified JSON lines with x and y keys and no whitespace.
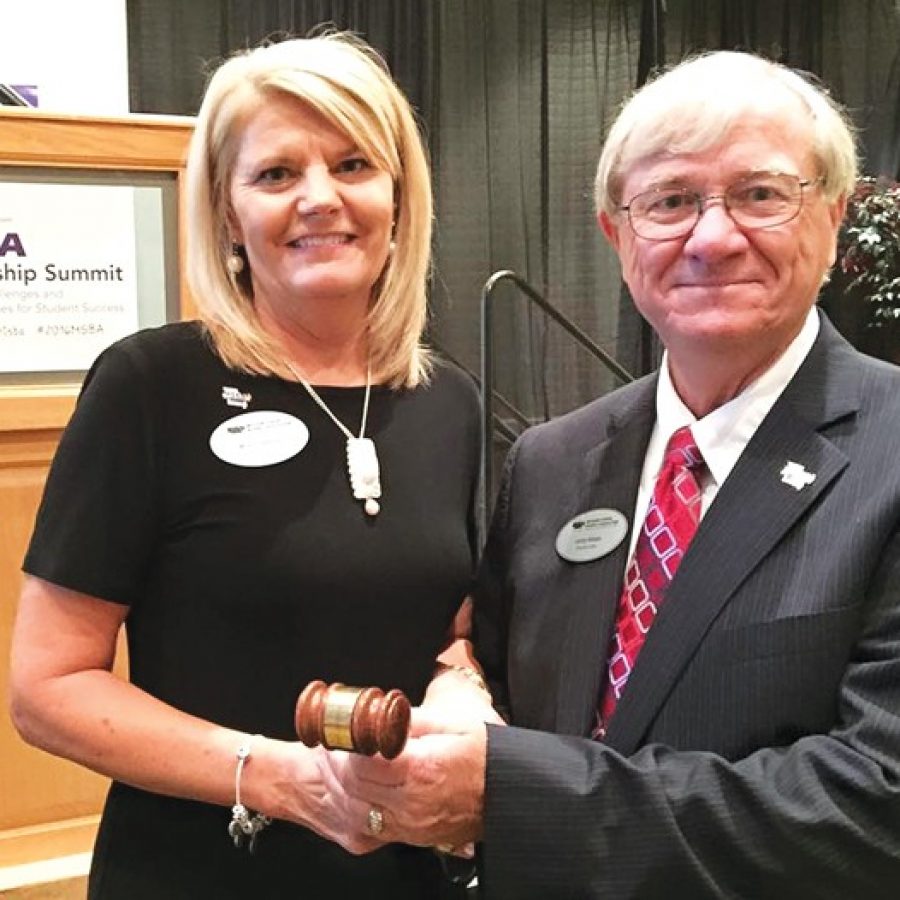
{"x":672,"y":519}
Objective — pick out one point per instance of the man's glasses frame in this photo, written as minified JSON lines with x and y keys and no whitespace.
{"x":745,"y":202}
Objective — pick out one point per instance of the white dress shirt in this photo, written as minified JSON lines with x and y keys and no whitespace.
{"x":723,"y":434}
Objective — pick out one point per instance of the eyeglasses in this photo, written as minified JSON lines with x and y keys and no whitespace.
{"x":761,"y":200}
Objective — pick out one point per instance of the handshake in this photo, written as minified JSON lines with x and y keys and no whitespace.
{"x":384,"y":772}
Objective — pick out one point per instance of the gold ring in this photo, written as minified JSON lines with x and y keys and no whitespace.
{"x":444,"y":848}
{"x":375,"y":821}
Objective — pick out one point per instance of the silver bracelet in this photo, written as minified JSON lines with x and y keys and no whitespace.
{"x":244,"y":824}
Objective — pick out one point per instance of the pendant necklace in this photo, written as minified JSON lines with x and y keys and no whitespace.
{"x":362,"y":460}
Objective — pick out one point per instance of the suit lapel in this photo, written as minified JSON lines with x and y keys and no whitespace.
{"x":608,"y":480}
{"x":752,"y":512}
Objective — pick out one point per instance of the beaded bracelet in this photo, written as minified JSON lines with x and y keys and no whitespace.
{"x":244,"y":824}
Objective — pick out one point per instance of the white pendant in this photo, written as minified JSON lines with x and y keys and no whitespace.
{"x":365,"y":476}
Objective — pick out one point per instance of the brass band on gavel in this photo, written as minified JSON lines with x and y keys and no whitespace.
{"x":363,"y":720}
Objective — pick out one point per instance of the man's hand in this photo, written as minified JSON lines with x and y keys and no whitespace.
{"x":431,"y":795}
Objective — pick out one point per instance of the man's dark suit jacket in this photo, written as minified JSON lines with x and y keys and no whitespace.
{"x":756,"y":750}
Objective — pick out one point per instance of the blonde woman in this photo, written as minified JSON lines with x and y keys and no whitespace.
{"x":278,"y":493}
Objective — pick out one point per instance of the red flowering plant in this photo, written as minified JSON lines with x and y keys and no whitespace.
{"x":869,"y":247}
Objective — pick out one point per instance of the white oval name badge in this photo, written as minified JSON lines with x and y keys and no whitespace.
{"x":261,"y":438}
{"x":591,"y":534}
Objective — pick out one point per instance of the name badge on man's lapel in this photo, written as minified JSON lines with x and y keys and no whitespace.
{"x":591,"y":534}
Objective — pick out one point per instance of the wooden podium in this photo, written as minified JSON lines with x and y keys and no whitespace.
{"x":50,"y":807}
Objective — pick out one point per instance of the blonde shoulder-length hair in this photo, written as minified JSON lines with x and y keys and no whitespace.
{"x":344,"y":80}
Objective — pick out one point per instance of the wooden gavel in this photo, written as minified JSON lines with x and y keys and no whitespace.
{"x":364,"y":720}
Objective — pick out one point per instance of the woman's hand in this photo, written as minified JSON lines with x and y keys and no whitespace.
{"x":298,"y":784}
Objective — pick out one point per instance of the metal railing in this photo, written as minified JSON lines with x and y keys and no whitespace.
{"x":498,"y":424}
{"x":489,"y":394}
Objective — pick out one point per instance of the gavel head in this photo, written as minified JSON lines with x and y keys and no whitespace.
{"x":363,"y":720}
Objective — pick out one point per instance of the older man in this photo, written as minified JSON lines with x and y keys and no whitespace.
{"x":694,"y":582}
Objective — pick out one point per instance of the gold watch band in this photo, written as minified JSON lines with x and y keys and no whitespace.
{"x":468,"y":672}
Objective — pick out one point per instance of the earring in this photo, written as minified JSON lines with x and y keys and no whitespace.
{"x":235,"y":262}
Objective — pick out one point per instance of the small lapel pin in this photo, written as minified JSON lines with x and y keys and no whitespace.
{"x":795,"y":476}
{"x":233,"y":397}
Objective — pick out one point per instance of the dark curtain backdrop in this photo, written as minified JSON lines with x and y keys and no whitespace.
{"x":173,"y":45}
{"x":514,"y":97}
{"x":525,"y":93}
